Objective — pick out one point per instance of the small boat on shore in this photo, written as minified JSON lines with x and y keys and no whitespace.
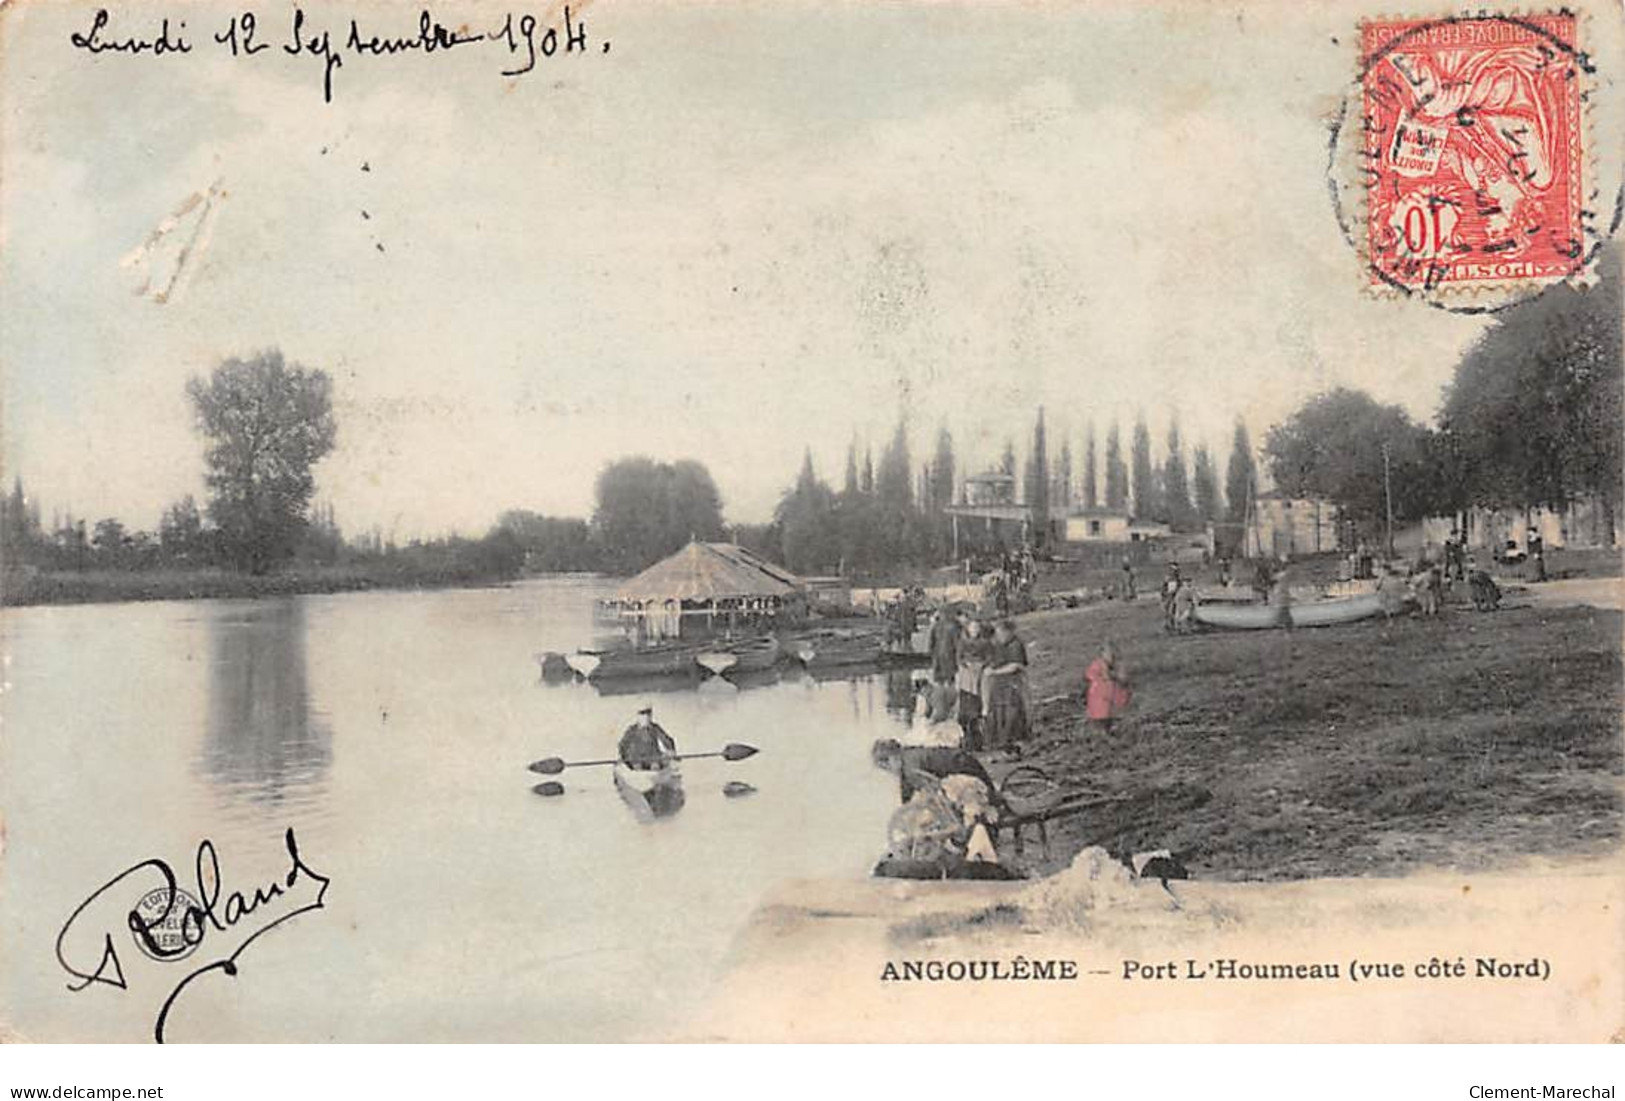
{"x":1313,"y":613}
{"x":651,"y":793}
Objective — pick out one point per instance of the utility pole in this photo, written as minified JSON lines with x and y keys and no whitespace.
{"x":1388,"y":497}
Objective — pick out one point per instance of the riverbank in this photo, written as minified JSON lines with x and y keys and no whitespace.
{"x":21,"y":589}
{"x":1446,"y":957}
{"x":1470,"y":740}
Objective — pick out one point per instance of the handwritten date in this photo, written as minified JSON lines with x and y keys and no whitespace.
{"x":523,"y":37}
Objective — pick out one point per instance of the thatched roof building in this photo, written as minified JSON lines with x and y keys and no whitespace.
{"x":705,"y":572}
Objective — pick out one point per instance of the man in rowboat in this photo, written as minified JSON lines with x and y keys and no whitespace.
{"x":645,"y":746}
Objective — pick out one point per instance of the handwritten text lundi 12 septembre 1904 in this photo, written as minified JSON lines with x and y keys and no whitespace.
{"x":526,"y":39}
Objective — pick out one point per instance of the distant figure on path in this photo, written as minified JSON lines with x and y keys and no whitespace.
{"x":1281,"y":597}
{"x":1485,"y":592}
{"x":1170,"y":589}
{"x":1129,"y":589}
{"x":1536,"y":547}
{"x":1106,"y":693}
{"x":645,"y":746}
{"x":1185,"y":608}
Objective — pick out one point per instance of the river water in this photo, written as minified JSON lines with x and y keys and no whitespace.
{"x":391,"y":731}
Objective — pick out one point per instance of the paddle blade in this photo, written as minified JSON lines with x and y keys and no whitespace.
{"x":547,"y":766}
{"x":550,"y":787}
{"x":737,"y":752}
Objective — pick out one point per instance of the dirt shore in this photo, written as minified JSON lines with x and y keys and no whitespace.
{"x":1468,"y":741}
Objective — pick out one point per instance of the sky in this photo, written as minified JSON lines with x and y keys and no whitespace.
{"x":744,"y":231}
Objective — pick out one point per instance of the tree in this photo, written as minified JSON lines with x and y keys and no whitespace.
{"x":1176,"y":495}
{"x":942,"y":472}
{"x":1205,"y":482}
{"x":109,"y":538}
{"x":893,"y":520}
{"x":1037,"y":487}
{"x":180,"y":533}
{"x":1336,"y":447}
{"x":551,"y":544}
{"x":1061,"y":483}
{"x":19,"y":525}
{"x":1091,"y":483}
{"x":1533,"y":415}
{"x":1146,"y":504}
{"x":1116,"y":472}
{"x":268,"y":423}
{"x":849,"y":486}
{"x":646,"y":510}
{"x":809,"y":535}
{"x":1241,"y":475}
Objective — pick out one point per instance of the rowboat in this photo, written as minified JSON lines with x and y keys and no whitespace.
{"x":1314,"y":613}
{"x":650,"y":793}
{"x":738,"y":658}
{"x":653,"y":661}
{"x":828,"y":651}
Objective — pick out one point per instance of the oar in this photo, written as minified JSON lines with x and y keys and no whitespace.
{"x":554,"y":765}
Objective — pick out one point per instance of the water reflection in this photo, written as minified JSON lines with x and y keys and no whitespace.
{"x":264,"y":743}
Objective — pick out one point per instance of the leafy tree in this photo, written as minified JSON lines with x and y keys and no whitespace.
{"x":1333,"y":448}
{"x":1176,"y":494}
{"x":268,"y":423}
{"x":646,"y":510}
{"x":1241,"y":475}
{"x":1146,"y":503}
{"x":1116,"y":472}
{"x":1091,"y":482}
{"x":109,"y":539}
{"x":1533,"y":414}
{"x":181,"y":538}
{"x":551,"y":544}
{"x":1205,"y":482}
{"x":1061,"y":483}
{"x":849,"y":486}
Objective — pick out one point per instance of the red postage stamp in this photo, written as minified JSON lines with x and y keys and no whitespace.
{"x":1473,"y":150}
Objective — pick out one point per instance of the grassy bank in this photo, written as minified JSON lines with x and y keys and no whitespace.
{"x":1470,"y":740}
{"x":111,"y":586}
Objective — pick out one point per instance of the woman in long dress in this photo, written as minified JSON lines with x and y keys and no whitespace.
{"x":1004,"y":691}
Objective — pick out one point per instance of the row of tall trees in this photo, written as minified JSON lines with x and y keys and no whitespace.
{"x":882,"y":519}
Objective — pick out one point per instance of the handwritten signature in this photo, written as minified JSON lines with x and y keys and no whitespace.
{"x":180,"y":924}
{"x":522,"y":35}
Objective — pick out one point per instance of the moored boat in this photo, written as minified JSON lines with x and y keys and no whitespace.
{"x":651,"y":793}
{"x":1311,"y":613}
{"x":653,"y":661}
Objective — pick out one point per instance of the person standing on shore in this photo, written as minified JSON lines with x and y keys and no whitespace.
{"x":1004,"y":689}
{"x":944,"y":646}
{"x":1170,"y":589}
{"x":1536,"y":547}
{"x":1106,"y":689}
{"x":974,"y":652}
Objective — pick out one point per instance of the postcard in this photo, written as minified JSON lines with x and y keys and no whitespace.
{"x":811,"y":521}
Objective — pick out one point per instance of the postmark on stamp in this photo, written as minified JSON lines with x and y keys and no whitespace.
{"x":1470,"y":151}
